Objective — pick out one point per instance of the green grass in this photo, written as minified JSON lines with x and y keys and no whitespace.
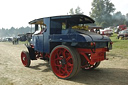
{"x":119,"y":44}
{"x":120,"y":47}
{"x":23,"y":42}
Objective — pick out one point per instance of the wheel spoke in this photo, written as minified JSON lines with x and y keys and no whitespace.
{"x":60,"y":70}
{"x":68,"y":58}
{"x":67,"y":70}
{"x":60,"y":51}
{"x":69,"y":64}
{"x":58,"y":58}
{"x":64,"y":53}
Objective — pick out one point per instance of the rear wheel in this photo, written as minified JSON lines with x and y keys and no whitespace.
{"x":91,"y":67}
{"x":64,"y":61}
{"x":25,"y":58}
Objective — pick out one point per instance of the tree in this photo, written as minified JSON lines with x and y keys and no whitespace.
{"x":126,"y":20}
{"x":118,"y":19}
{"x":102,"y":11}
{"x":71,"y":12}
{"x":77,"y":11}
{"x":127,"y":16}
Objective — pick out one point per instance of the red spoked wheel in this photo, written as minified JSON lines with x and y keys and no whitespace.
{"x":91,"y":67}
{"x":25,"y":58}
{"x":64,"y":61}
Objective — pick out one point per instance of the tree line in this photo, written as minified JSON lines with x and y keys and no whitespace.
{"x":103,"y":12}
{"x":14,"y":32}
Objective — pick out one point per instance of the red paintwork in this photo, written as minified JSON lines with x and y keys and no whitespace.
{"x":47,"y":55}
{"x":62,"y":70}
{"x":96,"y":56}
{"x":41,"y":55}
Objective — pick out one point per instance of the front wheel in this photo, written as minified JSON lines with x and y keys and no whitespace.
{"x":64,"y":61}
{"x":25,"y":58}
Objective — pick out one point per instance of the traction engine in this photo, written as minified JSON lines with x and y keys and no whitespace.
{"x":67,"y":44}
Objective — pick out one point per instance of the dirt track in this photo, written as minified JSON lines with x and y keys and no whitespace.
{"x":110,"y":72}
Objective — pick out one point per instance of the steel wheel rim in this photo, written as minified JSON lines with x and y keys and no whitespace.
{"x":62,"y":62}
{"x":24,"y":59}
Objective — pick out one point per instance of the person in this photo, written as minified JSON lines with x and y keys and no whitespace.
{"x":39,"y":30}
{"x":43,"y":29}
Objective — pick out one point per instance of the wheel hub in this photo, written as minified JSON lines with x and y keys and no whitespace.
{"x":63,"y":61}
{"x":23,"y":58}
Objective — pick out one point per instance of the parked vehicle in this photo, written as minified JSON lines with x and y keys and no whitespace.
{"x":107,"y":32}
{"x":67,"y":44}
{"x":123,"y":34}
{"x":122,"y":27}
{"x":22,"y":37}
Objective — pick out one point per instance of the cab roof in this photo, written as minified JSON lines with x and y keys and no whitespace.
{"x":77,"y":18}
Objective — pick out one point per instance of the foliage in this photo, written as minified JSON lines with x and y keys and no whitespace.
{"x":102,"y":11}
{"x":126,"y":23}
{"x":118,"y":19}
{"x":77,"y":11}
{"x":126,"y":20}
{"x":71,"y":12}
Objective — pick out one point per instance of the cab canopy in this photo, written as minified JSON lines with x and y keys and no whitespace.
{"x":37,"y":21}
{"x":81,"y":19}
{"x":56,"y":24}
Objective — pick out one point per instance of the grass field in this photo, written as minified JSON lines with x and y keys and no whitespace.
{"x":120,"y":47}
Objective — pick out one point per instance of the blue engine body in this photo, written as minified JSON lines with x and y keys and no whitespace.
{"x":57,"y":34}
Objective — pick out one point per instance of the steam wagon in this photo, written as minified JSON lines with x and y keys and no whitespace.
{"x":67,"y":44}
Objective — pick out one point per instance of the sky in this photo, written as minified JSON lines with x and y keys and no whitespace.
{"x":17,"y":13}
